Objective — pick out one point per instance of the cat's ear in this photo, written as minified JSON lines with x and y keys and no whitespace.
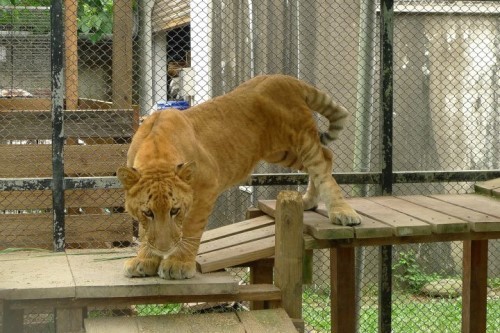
{"x":128,"y":176}
{"x":185,"y":171}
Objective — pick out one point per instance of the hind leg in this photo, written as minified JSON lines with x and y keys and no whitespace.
{"x":318,"y":163}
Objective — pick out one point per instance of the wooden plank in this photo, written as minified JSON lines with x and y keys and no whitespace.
{"x":35,"y":230}
{"x":12,"y":104}
{"x":236,"y":255}
{"x":237,"y":239}
{"x":289,"y":251}
{"x":475,"y":278}
{"x":402,"y":224}
{"x":478,"y":222}
{"x":210,"y":323}
{"x":88,"y":266}
{"x":315,"y":224}
{"x":320,"y":227}
{"x":111,"y":325}
{"x":440,"y":223}
{"x":123,"y":21}
{"x":236,"y":228}
{"x":81,"y":198}
{"x":474,"y":202}
{"x":37,"y":125}
{"x":25,"y":161}
{"x":71,"y":54}
{"x":35,"y":274}
{"x":369,"y":228}
{"x":269,"y":321}
{"x":343,"y":295}
{"x":488,"y":187}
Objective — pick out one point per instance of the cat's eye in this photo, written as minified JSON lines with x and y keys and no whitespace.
{"x":148,"y":213}
{"x":174,"y":211}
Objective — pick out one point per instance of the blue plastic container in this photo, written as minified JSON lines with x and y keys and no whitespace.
{"x":180,"y":105}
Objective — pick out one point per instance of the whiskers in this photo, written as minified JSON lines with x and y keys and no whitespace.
{"x":184,"y":244}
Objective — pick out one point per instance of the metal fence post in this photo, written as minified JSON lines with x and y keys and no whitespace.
{"x":57,"y":98}
{"x":386,"y":127}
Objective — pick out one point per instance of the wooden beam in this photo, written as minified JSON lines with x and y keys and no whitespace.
{"x":123,"y":23}
{"x":71,"y":54}
{"x":475,"y":274}
{"x":289,"y":251}
{"x":343,"y":296}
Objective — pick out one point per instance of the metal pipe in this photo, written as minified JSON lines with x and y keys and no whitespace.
{"x":386,"y":128}
{"x":57,"y":98}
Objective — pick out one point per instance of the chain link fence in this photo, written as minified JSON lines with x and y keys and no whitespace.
{"x":125,"y":59}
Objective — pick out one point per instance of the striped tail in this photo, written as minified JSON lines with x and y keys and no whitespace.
{"x":335,"y":113}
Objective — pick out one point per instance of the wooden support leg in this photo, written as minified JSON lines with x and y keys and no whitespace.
{"x":261,"y":271}
{"x":343,"y":291}
{"x":289,"y":251}
{"x":13,"y":319}
{"x":69,"y":320}
{"x":475,"y":274}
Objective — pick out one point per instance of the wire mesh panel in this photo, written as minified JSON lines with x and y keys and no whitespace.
{"x":127,"y":59}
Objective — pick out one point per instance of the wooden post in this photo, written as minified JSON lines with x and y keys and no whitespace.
{"x":12,"y":319}
{"x":289,"y":251}
{"x":123,"y":23}
{"x":474,"y":294}
{"x":69,"y":320}
{"x":71,"y":54}
{"x":343,"y":291}
{"x":261,"y":272}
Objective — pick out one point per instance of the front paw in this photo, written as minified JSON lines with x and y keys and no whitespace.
{"x":344,"y":215}
{"x":141,"y":267}
{"x":175,"y":268}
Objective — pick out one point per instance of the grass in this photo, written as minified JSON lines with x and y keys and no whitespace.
{"x":410,"y":314}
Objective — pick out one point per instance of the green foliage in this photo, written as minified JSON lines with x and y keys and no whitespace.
{"x":409,"y":274}
{"x":95,"y":18}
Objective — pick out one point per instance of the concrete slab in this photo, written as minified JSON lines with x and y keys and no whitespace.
{"x":35,"y":275}
{"x":99,"y":274}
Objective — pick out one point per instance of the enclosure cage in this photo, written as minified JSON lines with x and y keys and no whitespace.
{"x":419,"y":77}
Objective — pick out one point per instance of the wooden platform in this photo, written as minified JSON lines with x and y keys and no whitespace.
{"x":80,"y":274}
{"x":261,"y":321}
{"x":386,"y":220}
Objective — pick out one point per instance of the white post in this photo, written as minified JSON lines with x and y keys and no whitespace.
{"x":201,"y":49}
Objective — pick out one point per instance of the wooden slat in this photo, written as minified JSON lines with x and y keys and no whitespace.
{"x":12,"y":104}
{"x":232,"y":229}
{"x":25,"y":161}
{"x":35,"y":275}
{"x":269,"y":321}
{"x":402,"y":224}
{"x":236,"y":239}
{"x":88,"y":266}
{"x":33,"y":125}
{"x":315,"y":224}
{"x":490,"y":187}
{"x":236,"y":255}
{"x":474,"y":202}
{"x":441,"y":223}
{"x":35,"y":230}
{"x":369,"y":228}
{"x":27,"y":200}
{"x":479,"y":222}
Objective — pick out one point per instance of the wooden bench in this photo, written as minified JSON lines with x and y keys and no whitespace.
{"x":97,"y":142}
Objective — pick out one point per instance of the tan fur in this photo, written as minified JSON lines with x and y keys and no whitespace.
{"x":179,"y":162}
